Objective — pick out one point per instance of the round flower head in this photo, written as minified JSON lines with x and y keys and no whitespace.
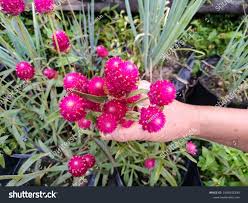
{"x":96,"y":86}
{"x":72,"y":108}
{"x":106,"y":123}
{"x":75,"y":81}
{"x":162,"y":93}
{"x":102,"y":51}
{"x":84,"y":123}
{"x":78,"y":166}
{"x":149,"y":163}
{"x":44,"y":6}
{"x":91,"y":160}
{"x":25,"y":71}
{"x":12,"y":7}
{"x":121,"y":77}
{"x":50,"y":73}
{"x":191,"y":148}
{"x":62,"y":40}
{"x":152,"y":119}
{"x":116,"y":108}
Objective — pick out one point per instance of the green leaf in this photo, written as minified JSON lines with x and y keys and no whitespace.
{"x":2,"y":161}
{"x":18,"y":137}
{"x":156,"y":172}
{"x":188,"y":156}
{"x":168,"y":177}
{"x":27,"y":164}
{"x":90,"y":97}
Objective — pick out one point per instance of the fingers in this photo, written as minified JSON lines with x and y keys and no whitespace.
{"x":126,"y":134}
{"x":134,"y":133}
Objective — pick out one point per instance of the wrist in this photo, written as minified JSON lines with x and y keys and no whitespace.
{"x":194,"y":121}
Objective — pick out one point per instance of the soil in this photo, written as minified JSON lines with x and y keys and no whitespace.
{"x":217,"y":86}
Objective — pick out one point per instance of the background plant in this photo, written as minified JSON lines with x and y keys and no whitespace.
{"x":226,"y":166}
{"x":31,"y":120}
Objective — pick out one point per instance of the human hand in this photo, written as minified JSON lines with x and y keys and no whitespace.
{"x":181,"y":121}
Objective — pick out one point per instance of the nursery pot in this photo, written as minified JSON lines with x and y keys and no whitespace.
{"x":11,"y":167}
{"x":206,"y":82}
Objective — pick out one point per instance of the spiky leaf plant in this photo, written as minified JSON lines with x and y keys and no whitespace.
{"x":29,"y":116}
{"x":161,"y":27}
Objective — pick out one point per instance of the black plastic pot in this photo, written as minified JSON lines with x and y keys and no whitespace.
{"x":192,"y":176}
{"x":211,"y":94}
{"x":11,"y":167}
{"x":114,"y":180}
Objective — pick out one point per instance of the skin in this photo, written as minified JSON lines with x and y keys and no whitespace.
{"x":222,"y":125}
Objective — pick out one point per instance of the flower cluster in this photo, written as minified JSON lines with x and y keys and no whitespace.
{"x":79,"y":165}
{"x":16,"y":7}
{"x":119,"y":88}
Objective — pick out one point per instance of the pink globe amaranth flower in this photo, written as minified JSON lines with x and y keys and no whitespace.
{"x":84,"y":123}
{"x":44,"y":6}
{"x":121,"y":78}
{"x":12,"y":7}
{"x":25,"y":71}
{"x":152,"y":119}
{"x":89,"y":105}
{"x":63,"y":41}
{"x":91,"y":160}
{"x":115,"y":107}
{"x":113,"y":89}
{"x":129,"y":74}
{"x":191,"y":148}
{"x":50,"y":73}
{"x":106,"y":123}
{"x":72,"y":108}
{"x":111,"y":66}
{"x":77,"y":166}
{"x":135,"y":98}
{"x":75,"y":81}
{"x":96,"y":86}
{"x":126,"y":123}
{"x":162,"y":93}
{"x":102,"y":51}
{"x":149,"y":163}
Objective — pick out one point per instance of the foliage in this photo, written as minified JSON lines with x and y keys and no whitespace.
{"x":233,"y":65}
{"x":31,"y":126}
{"x":212,"y":33}
{"x":161,"y":27}
{"x":223,"y":166}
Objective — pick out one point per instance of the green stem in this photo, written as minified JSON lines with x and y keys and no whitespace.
{"x":51,"y":20}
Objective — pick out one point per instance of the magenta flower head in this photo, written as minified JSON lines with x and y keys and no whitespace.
{"x":162,"y":93}
{"x":96,"y":86}
{"x":152,"y":119}
{"x":75,"y":81}
{"x":50,"y":73}
{"x":12,"y":7}
{"x":191,"y":148}
{"x":62,"y":40}
{"x":44,"y":6}
{"x":106,"y":123}
{"x":102,"y":51}
{"x":25,"y":71}
{"x":149,"y":163}
{"x":90,"y":159}
{"x":84,"y":123}
{"x":77,"y":166}
{"x":72,"y":108}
